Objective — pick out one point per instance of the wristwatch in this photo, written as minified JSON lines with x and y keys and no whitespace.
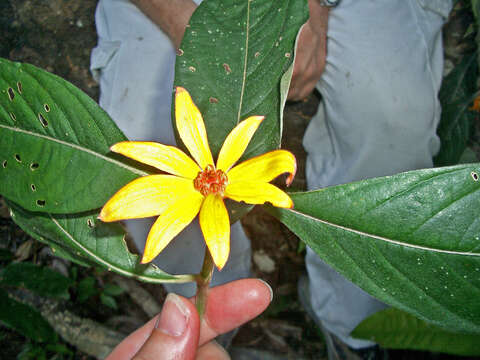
{"x":329,"y":3}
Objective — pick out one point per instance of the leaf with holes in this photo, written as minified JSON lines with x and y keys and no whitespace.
{"x":412,"y":240}
{"x":90,"y":239}
{"x":395,"y":329}
{"x":54,"y":144}
{"x":236,"y":60}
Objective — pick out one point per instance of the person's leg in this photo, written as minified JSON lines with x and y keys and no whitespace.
{"x":379,"y":117}
{"x":134,"y":63}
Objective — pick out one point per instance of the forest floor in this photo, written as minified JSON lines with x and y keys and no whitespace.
{"x":58,"y":35}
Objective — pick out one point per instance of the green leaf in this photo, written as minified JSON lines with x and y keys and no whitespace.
{"x":54,"y":144}
{"x":411,"y":240}
{"x":475,"y":8}
{"x":113,"y":290}
{"x":86,"y":289}
{"x":86,"y":237}
{"x":232,"y":60}
{"x":456,"y":95}
{"x":24,"y":319}
{"x":468,"y":157}
{"x":108,"y":300}
{"x":40,"y":280}
{"x":395,"y":329}
{"x":59,"y":349}
{"x":33,"y":351}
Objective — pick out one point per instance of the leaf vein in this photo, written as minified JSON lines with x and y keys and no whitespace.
{"x":76,"y":147}
{"x":384,"y":239}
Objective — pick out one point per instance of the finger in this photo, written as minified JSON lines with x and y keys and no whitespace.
{"x":176,"y":333}
{"x":233,"y":304}
{"x":212,"y":351}
{"x":131,"y":344}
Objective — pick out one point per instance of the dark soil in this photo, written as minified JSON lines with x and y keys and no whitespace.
{"x":58,"y":35}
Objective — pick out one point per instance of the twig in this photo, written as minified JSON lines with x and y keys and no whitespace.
{"x":86,"y":335}
{"x":139,"y":295}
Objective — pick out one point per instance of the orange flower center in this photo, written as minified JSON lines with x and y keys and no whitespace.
{"x":211,"y":181}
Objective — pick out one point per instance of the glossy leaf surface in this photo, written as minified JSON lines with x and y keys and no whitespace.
{"x":54,"y":144}
{"x":232,"y":60}
{"x":412,"y":240}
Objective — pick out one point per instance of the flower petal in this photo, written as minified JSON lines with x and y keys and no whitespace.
{"x":163,"y":157}
{"x":170,"y":223}
{"x":237,"y":141}
{"x":191,"y":128}
{"x":253,"y":192}
{"x":215,"y":226}
{"x":265,"y":168}
{"x":146,"y":196}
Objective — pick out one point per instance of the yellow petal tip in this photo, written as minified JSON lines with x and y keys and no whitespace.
{"x":289,"y":203}
{"x":145,"y":259}
{"x":220,"y":260}
{"x":102,"y":216}
{"x":220,"y":257}
{"x":115,"y":147}
{"x":291,"y":176}
{"x":179,"y":90}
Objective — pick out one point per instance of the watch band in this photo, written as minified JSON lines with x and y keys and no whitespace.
{"x":328,"y":3}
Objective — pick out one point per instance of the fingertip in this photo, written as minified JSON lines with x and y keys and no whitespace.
{"x":175,"y":333}
{"x":269,"y":288}
{"x":233,"y":304}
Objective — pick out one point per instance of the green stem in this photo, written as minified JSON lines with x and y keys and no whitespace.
{"x":203,"y":282}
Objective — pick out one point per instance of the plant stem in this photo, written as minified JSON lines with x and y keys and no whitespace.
{"x":203,"y":282}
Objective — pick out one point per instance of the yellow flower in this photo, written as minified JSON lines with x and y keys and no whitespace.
{"x":198,"y":185}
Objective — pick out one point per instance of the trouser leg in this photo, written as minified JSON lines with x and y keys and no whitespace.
{"x":134,"y":63}
{"x":379,"y":117}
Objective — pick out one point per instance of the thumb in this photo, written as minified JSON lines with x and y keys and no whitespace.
{"x":176,"y":332}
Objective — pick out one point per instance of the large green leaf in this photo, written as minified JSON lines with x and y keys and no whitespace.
{"x":456,"y":96}
{"x":395,"y":329}
{"x":411,"y":240}
{"x":24,"y":319}
{"x":41,"y":280}
{"x":54,"y":144}
{"x":232,"y":60}
{"x":92,"y":240}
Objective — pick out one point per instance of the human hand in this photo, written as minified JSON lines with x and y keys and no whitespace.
{"x":311,"y":53}
{"x":176,"y":333}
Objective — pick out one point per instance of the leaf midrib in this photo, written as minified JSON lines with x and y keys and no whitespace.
{"x":384,"y":239}
{"x":244,"y":75}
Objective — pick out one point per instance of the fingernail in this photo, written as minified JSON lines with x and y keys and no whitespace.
{"x":269,"y":288}
{"x":174,"y":317}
